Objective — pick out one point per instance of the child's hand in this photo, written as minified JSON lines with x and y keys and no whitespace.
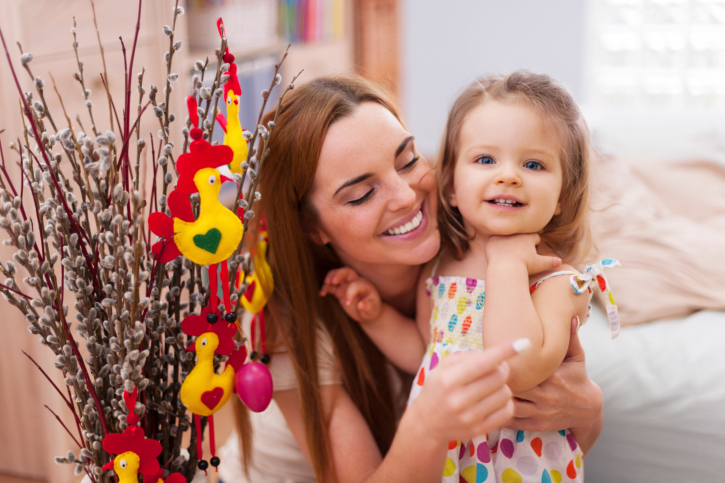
{"x":520,"y":247}
{"x":358,"y":297}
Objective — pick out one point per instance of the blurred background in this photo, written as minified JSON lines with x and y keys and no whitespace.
{"x":649,"y":75}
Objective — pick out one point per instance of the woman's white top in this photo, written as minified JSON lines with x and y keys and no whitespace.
{"x":276,"y":456}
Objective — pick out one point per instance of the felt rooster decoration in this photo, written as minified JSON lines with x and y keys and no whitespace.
{"x":260,"y":283}
{"x":233,"y":136}
{"x":201,"y":154}
{"x":254,"y":382}
{"x":204,"y":391}
{"x":211,"y":238}
{"x":135,"y":453}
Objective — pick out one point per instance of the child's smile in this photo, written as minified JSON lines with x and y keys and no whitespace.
{"x":508,"y":175}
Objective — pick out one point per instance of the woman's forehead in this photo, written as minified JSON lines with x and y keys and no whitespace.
{"x":360,"y":142}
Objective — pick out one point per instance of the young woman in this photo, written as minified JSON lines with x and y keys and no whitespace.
{"x":342,"y":171}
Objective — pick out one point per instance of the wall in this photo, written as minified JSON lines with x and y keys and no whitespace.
{"x":448,"y":44}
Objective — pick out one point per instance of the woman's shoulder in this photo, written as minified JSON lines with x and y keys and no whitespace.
{"x":282,"y":367}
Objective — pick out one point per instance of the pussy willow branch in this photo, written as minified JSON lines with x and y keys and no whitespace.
{"x":81,"y":363}
{"x":81,"y":79}
{"x":40,"y":91}
{"x":105,"y":73}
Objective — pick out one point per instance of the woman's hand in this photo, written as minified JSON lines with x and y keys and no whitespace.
{"x":567,"y":399}
{"x":358,"y":297}
{"x":523,"y":248}
{"x":465,"y":396}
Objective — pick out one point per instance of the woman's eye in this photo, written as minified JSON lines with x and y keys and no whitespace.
{"x":361,"y":200}
{"x":485,"y":160}
{"x":534,"y":165}
{"x":411,"y":164}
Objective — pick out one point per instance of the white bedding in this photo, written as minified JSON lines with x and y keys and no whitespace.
{"x":664,"y":400}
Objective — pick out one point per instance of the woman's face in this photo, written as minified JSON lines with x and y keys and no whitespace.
{"x":374,"y":194}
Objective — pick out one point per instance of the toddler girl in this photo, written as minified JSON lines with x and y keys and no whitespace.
{"x":513,"y":185}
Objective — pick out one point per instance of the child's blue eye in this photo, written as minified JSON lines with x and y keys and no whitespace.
{"x":534,"y":165}
{"x":485,"y":160}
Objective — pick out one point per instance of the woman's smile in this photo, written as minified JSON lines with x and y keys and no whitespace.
{"x":410,"y":226}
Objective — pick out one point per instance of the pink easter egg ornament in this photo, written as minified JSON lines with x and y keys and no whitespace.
{"x":254,"y":386}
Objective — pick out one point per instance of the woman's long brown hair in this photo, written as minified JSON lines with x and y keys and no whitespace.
{"x":295,"y":311}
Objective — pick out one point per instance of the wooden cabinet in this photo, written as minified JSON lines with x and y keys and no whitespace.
{"x":377,"y":41}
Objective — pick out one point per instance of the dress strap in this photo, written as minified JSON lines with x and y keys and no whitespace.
{"x":535,"y":285}
{"x":593,"y":276}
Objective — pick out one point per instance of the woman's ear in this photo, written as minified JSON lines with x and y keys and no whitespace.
{"x":558,"y":208}
{"x":319,"y":236}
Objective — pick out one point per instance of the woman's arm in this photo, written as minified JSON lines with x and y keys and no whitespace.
{"x":465,"y":396}
{"x":567,"y":399}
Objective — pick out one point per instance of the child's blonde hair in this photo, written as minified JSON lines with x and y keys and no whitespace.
{"x":567,"y":233}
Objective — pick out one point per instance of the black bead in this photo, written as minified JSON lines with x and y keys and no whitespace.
{"x":212,"y":318}
{"x":253,"y":355}
{"x":203,"y":465}
{"x":231,"y":317}
{"x":264,"y":359}
{"x":215,"y":461}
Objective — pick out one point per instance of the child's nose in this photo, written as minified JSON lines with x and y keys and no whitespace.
{"x":508,"y":177}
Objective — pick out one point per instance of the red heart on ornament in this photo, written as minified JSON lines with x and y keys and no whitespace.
{"x":212,"y":398}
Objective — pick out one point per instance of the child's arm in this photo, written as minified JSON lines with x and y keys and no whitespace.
{"x":395,"y":335}
{"x":512,"y":312}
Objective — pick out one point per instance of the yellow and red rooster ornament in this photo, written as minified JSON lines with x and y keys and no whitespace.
{"x":135,"y":453}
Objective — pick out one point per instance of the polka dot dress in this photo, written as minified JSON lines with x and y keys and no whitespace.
{"x":505,"y":455}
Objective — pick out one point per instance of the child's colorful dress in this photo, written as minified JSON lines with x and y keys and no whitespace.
{"x":504,"y":455}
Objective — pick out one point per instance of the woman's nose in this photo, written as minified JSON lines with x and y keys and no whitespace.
{"x":403,"y":196}
{"x":507,"y":176}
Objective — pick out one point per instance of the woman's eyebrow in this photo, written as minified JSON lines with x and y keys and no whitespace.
{"x":353,"y":181}
{"x":402,"y":146}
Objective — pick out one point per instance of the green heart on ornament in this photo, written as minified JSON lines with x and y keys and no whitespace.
{"x":210,"y":241}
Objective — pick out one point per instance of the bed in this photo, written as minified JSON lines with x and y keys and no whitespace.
{"x":663,"y":379}
{"x":664,"y":399}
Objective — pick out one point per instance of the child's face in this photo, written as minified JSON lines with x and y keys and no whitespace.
{"x":508,"y":174}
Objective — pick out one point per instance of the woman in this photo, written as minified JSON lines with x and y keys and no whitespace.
{"x":343,"y":173}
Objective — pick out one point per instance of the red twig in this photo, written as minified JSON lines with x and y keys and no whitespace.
{"x":127,"y":114}
{"x":64,"y":426}
{"x":126,"y":106}
{"x":15,"y":291}
{"x":66,"y":400}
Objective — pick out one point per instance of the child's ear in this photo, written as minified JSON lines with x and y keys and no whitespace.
{"x":558,"y":208}
{"x":452,"y":199}
{"x":450,"y":195}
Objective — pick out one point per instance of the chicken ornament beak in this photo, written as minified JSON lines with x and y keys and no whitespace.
{"x":108,"y":466}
